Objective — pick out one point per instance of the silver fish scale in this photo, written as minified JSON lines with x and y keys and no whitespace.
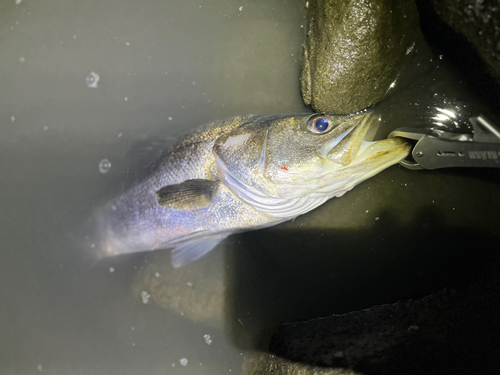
{"x":136,"y":222}
{"x":272,"y":168}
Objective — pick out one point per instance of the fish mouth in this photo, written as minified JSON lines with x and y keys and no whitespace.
{"x":353,"y":160}
{"x":352,"y":148}
{"x":345,"y":148}
{"x":373,"y":157}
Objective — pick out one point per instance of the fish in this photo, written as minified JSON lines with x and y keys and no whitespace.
{"x":239,"y":174}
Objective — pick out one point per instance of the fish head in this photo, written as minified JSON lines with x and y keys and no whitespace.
{"x":285,"y":166}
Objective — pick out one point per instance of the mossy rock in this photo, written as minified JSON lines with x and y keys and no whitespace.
{"x":479,"y":23}
{"x":354,"y":51}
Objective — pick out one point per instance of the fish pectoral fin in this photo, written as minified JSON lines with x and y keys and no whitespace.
{"x":192,"y":250}
{"x":188,"y":194}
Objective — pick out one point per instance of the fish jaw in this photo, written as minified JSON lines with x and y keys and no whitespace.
{"x":347,"y":149}
{"x":372,"y":158}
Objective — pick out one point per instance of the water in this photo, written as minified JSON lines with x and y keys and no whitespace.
{"x":82,"y":84}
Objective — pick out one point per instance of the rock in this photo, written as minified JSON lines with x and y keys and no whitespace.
{"x":355,"y":51}
{"x":479,"y":22}
{"x":258,"y":363}
{"x":196,"y":291}
{"x":452,"y":331}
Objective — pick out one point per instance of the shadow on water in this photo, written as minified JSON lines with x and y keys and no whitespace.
{"x":276,"y":275}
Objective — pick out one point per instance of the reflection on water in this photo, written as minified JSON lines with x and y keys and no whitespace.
{"x":163,"y":68}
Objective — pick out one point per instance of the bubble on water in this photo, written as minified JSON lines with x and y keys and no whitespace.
{"x":183,"y":361}
{"x":145,"y":297}
{"x":12,"y":118}
{"x":104,"y":166}
{"x":92,"y":79}
{"x":22,"y":59}
{"x":126,"y":98}
{"x":18,"y":2}
{"x":170,"y":118}
{"x":157,"y":274}
{"x":45,"y":128}
{"x":120,"y":135}
{"x":111,"y":269}
{"x":240,"y":8}
{"x":127,"y":43}
{"x":38,"y":367}
{"x":208,"y":339}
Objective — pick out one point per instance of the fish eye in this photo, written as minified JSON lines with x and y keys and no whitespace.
{"x":320,"y":124}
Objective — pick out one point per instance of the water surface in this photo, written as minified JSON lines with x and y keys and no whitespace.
{"x":163,"y":68}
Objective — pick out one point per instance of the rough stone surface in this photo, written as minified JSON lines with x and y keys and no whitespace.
{"x":195,"y":291}
{"x":479,"y":22}
{"x":257,"y":363}
{"x":354,"y":51}
{"x":452,"y":331}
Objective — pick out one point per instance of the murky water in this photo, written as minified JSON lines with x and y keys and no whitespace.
{"x":82,"y":83}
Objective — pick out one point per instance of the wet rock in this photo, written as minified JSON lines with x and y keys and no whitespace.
{"x":196,"y":291}
{"x":257,"y":363}
{"x":479,"y":22}
{"x":354,"y":51}
{"x":452,"y":332}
